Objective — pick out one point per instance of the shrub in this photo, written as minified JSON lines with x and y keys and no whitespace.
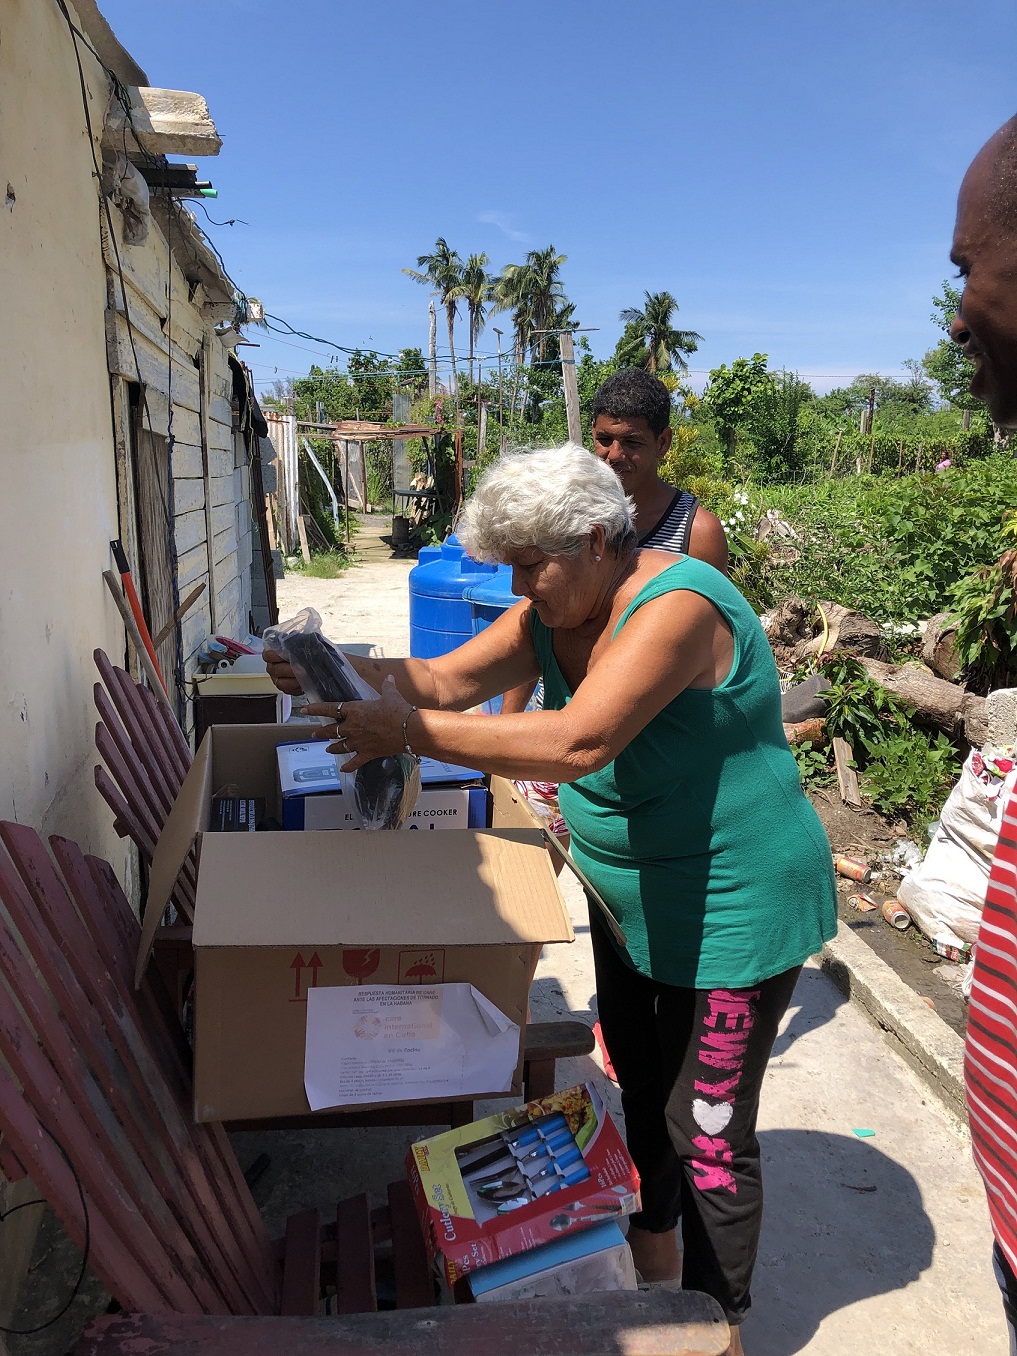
{"x":894,"y":549}
{"x":910,"y":775}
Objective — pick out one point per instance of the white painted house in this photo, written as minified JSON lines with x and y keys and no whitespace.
{"x":118,"y":390}
{"x":123,"y":412}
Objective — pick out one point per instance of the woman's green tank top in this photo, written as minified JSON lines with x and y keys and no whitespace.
{"x":698,"y":835}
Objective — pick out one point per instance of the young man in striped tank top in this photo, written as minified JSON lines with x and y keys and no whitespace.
{"x":985,"y":252}
{"x":632,"y":433}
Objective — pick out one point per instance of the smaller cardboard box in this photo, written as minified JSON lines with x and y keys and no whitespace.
{"x":279,"y":913}
{"x":451,"y":797}
{"x":239,"y":697}
{"x":463,"y":1181}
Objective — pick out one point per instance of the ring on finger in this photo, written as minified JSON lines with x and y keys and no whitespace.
{"x":339,"y":712}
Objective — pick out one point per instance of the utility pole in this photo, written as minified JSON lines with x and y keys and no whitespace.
{"x":432,"y":365}
{"x":501,"y":421}
{"x":482,"y":428}
{"x":571,"y":385}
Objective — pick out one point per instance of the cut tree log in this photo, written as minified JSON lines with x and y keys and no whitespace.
{"x":796,"y":631}
{"x":939,"y":646}
{"x":848,"y":630}
{"x":939,"y":704}
{"x":812,"y":731}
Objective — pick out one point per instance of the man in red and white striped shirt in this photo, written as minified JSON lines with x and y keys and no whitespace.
{"x":985,"y":251}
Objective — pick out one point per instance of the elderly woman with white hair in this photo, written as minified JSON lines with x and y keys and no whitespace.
{"x":662,"y":722}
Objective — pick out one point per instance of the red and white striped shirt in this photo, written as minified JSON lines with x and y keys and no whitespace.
{"x":990,"y":1058}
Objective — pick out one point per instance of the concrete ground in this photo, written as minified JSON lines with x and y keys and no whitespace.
{"x":877,"y":1244}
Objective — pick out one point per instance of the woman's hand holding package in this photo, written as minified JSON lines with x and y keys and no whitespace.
{"x":364,"y":730}
{"x":281,"y":673}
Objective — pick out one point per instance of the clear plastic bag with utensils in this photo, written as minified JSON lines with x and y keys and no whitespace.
{"x":382,"y":793}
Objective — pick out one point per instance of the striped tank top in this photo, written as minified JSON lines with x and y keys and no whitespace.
{"x":990,"y":1057}
{"x":673,"y":531}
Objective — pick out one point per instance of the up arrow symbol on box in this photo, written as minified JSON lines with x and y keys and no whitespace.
{"x":298,"y":964}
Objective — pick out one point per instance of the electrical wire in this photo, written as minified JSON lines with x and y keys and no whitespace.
{"x":87,"y":1243}
{"x":233,"y":221}
{"x":170,"y":498}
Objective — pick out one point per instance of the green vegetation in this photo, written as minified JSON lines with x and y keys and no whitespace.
{"x":650,"y":340}
{"x":324,"y":565}
{"x":890,"y":495}
{"x":905,"y":772}
{"x":897,"y":549}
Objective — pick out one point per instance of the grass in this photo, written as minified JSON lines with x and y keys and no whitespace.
{"x":324,"y":565}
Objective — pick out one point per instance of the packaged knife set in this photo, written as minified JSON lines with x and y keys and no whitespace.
{"x":519,"y":1179}
{"x":520,"y":1165}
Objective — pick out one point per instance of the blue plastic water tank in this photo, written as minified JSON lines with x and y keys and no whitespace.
{"x":487,"y":602}
{"x":440,"y":617}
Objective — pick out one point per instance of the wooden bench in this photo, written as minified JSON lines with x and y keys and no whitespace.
{"x":147,"y":758}
{"x":95,"y":1108}
{"x":656,"y":1323}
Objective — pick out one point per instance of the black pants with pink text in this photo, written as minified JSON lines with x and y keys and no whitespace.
{"x":690,"y":1064}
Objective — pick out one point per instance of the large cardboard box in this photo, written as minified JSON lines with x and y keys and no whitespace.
{"x":277,"y":913}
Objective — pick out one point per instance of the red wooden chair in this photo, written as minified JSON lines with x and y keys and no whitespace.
{"x":147,"y":758}
{"x":95,"y":1108}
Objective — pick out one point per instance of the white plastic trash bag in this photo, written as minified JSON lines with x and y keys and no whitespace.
{"x":945,"y":894}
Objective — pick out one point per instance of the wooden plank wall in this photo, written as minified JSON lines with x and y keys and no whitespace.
{"x":185,"y":371}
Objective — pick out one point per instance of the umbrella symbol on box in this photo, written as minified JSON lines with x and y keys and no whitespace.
{"x":421,"y":967}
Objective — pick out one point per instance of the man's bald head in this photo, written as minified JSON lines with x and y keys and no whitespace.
{"x":1002,"y":150}
{"x":985,"y":251}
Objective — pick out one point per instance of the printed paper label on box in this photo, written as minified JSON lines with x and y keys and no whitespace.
{"x":380,"y":1042}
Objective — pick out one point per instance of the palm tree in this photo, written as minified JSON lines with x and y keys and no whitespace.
{"x":509,"y":293}
{"x":533,"y":291}
{"x":546,"y":291}
{"x":443,"y":273}
{"x":663,"y":347}
{"x":475,"y":290}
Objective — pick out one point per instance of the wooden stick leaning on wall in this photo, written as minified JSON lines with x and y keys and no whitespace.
{"x":123,"y":607}
{"x":184,"y":607}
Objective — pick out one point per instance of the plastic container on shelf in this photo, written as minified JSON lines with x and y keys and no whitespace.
{"x":440,"y":616}
{"x":487,"y":602}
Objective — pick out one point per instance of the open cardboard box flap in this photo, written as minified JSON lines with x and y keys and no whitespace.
{"x":175,"y":842}
{"x":368,"y":877}
{"x":471,"y":887}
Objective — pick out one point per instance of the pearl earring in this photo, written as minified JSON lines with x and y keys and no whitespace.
{"x":596,"y":557}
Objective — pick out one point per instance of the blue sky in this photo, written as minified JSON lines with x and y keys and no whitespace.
{"x":788,"y":171}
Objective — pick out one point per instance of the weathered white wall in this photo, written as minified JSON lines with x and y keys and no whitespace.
{"x":211,"y":479}
{"x":62,"y":331}
{"x":58,"y":495}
